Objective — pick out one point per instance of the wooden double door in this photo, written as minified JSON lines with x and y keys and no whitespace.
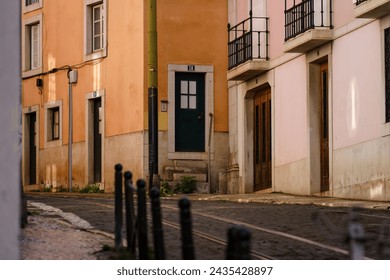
{"x":262,"y":140}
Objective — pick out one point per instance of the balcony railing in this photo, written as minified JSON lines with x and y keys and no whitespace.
{"x":306,"y":15}
{"x":248,"y":40}
{"x":372,"y":8}
{"x":358,"y":2}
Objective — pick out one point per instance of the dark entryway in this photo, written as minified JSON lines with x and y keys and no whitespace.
{"x":32,"y":149}
{"x":324,"y":138}
{"x":262,"y":140}
{"x":97,"y":140}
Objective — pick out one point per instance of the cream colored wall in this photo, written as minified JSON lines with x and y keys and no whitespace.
{"x":362,"y":171}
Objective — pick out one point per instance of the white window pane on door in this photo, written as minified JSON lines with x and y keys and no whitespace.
{"x":184,"y":87}
{"x":192,"y":102}
{"x":192,"y":87}
{"x":184,"y":102}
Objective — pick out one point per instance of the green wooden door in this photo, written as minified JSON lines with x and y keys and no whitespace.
{"x":190,"y":112}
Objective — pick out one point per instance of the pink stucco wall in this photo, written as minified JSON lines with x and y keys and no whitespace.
{"x":275,"y":11}
{"x":290,"y":112}
{"x":342,"y":12}
{"x":358,"y":90}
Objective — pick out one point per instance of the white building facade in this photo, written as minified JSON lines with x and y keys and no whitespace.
{"x":309,"y":97}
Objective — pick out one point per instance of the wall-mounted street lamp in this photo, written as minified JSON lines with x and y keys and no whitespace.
{"x":164,"y":105}
{"x":72,"y":77}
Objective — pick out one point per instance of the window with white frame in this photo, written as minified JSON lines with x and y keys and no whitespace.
{"x":30,"y":2}
{"x":35,"y":48}
{"x":32,"y":46}
{"x":53,"y":124}
{"x":31,"y":5}
{"x":95,"y":29}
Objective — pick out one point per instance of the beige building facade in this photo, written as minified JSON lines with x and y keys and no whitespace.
{"x":105,"y":42}
{"x":309,"y":101}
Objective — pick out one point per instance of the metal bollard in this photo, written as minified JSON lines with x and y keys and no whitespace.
{"x":238,"y":243}
{"x":355,"y":238}
{"x":118,"y":206}
{"x":142,"y":223}
{"x":158,"y":237}
{"x":188,"y":252}
{"x":384,"y":242}
{"x":130,"y":215}
{"x":232,"y":244}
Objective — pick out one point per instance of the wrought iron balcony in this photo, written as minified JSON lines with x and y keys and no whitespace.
{"x":371,"y":8}
{"x":248,"y":41}
{"x":314,"y":18}
{"x":358,"y":2}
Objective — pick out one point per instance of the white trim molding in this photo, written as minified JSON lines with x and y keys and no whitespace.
{"x":209,"y":108}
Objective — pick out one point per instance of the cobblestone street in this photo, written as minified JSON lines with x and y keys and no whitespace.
{"x":309,"y":228}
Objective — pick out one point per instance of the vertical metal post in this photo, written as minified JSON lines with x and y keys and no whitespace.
{"x":356,"y":238}
{"x":72,"y":79}
{"x":158,"y":237}
{"x":188,"y":252}
{"x":244,"y":244}
{"x":209,"y":152}
{"x":152,"y":92}
{"x":70,"y":127}
{"x":231,"y":244}
{"x":129,"y":206}
{"x":238,"y":244}
{"x":118,"y":206}
{"x":142,"y":223}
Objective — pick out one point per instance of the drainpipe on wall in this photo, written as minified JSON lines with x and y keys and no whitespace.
{"x":152,"y":95}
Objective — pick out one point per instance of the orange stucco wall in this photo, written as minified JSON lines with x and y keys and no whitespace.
{"x":189,"y":32}
{"x":120,"y":74}
{"x":194,"y":32}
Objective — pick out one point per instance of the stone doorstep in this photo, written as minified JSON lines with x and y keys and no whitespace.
{"x":169,"y":172}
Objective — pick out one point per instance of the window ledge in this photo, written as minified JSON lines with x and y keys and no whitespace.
{"x":32,"y":7}
{"x":95,"y":55}
{"x":33,"y":72}
{"x":53,"y":143}
{"x":386,"y":129}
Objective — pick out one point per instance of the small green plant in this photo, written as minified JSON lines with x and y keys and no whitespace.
{"x":62,"y":188}
{"x":92,"y":188}
{"x":186,"y":185}
{"x":165,"y":189}
{"x":47,"y":188}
